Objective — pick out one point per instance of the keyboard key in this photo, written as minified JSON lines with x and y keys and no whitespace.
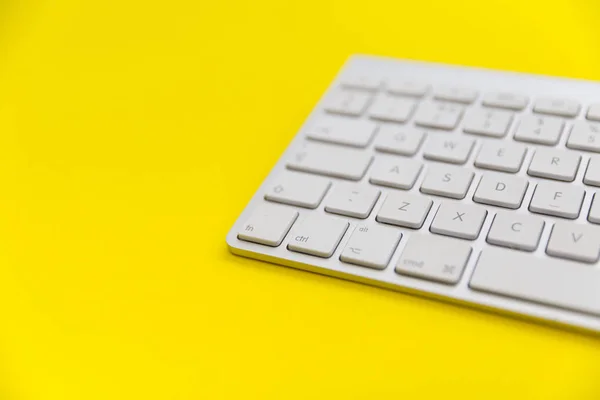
{"x":317,"y":235}
{"x":371,"y":246}
{"x":501,"y":190}
{"x":594,"y":215}
{"x":560,"y":107}
{"x":450,"y":182}
{"x":298,"y":190}
{"x":501,"y":156}
{"x":542,"y":130}
{"x":517,"y":231}
{"x":362,"y":81}
{"x":342,"y":131}
{"x":331,"y":161}
{"x":592,"y":173}
{"x":446,"y":264}
{"x":408,"y":88}
{"x":541,"y":280}
{"x":392,"y":108}
{"x":459,"y":220}
{"x":348,"y":102}
{"x":451,"y":150}
{"x":396,"y":172}
{"x":268,"y":225}
{"x":554,"y":164}
{"x":558,"y":199}
{"x":487,"y":122}
{"x":352,"y":200}
{"x":455,"y":94}
{"x":404,"y":209}
{"x":438,"y":115}
{"x":399,"y":140}
{"x":585,"y":136}
{"x":511,"y":101}
{"x":593,"y":113}
{"x":575,"y":242}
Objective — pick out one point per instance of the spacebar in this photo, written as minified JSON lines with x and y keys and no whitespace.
{"x":549,"y":281}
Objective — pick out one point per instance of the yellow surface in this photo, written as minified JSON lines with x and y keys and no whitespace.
{"x":132,"y":133}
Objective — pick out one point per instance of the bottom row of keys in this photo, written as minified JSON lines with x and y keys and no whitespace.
{"x":370,"y":245}
{"x":500,"y":271}
{"x":373,"y":245}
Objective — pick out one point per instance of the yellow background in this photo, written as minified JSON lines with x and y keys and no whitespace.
{"x":132,"y":133}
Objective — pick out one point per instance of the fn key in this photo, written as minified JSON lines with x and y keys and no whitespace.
{"x":268,"y":225}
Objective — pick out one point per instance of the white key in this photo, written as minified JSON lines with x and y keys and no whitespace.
{"x":298,"y":190}
{"x":317,"y":235}
{"x":371,"y":246}
{"x":399,"y":140}
{"x":408,"y":88}
{"x":348,"y":102}
{"x":445,"y":263}
{"x":543,"y":130}
{"x":554,"y":164}
{"x":331,"y":161}
{"x":511,"y":101}
{"x":438,"y":115}
{"x":457,"y":94}
{"x":362,"y":81}
{"x":517,"y":231}
{"x":594,"y":215}
{"x":560,"y":107}
{"x":396,"y":172}
{"x":501,"y":156}
{"x":487,"y":122}
{"x":592,"y":173}
{"x":404,"y":209}
{"x":342,"y":131}
{"x":268,"y":225}
{"x":447,"y":149}
{"x":445,"y":181}
{"x":585,"y":136}
{"x":459,"y":220}
{"x":559,"y":199}
{"x":352,"y":201}
{"x":559,"y":283}
{"x":501,"y":190}
{"x":593,"y":113}
{"x":392,"y":109}
{"x":574,"y":241}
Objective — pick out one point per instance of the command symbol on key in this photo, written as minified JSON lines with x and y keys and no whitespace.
{"x":449,"y":269}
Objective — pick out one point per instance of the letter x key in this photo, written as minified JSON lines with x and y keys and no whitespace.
{"x":459,"y":220}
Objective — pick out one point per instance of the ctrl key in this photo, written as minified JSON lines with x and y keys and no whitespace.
{"x":317,"y":235}
{"x":268,"y":225}
{"x":434,"y":258}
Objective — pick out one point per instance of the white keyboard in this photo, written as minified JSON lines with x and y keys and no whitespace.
{"x":473,"y":185}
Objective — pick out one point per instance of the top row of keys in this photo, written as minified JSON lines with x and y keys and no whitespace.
{"x":506,"y":100}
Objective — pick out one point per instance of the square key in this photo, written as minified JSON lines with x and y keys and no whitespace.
{"x":542,"y":130}
{"x":403,"y":140}
{"x":371,"y":246}
{"x":404,"y":209}
{"x":317,"y":235}
{"x":450,"y":182}
{"x":396,"y":172}
{"x":268,"y":225}
{"x":459,"y":220}
{"x":352,"y":201}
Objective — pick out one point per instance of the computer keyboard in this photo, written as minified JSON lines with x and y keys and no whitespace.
{"x":465,"y":184}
